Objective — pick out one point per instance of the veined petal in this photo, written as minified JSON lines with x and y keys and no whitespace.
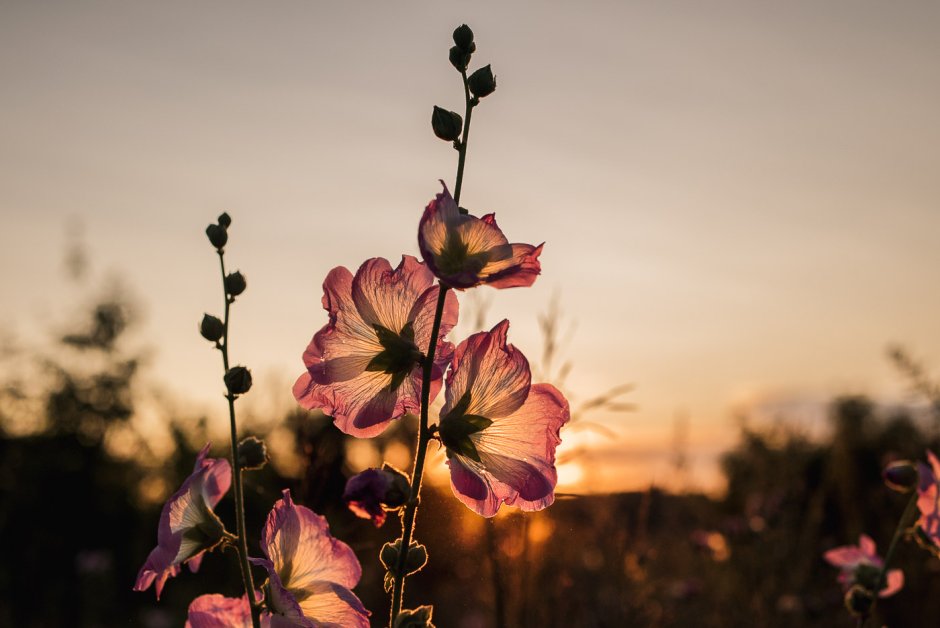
{"x":386,"y":297}
{"x":217,"y":611}
{"x":285,"y":611}
{"x":334,"y":606}
{"x":517,"y":271}
{"x":494,"y":373}
{"x":303,"y":552}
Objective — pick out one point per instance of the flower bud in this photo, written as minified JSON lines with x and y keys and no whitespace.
{"x":374,"y":491}
{"x":211,"y":328}
{"x":859,"y":600}
{"x":414,"y":618}
{"x":417,"y":557}
{"x":234,"y":284}
{"x":225,"y":220}
{"x":482,"y":82}
{"x":901,"y":476}
{"x":252,"y":454}
{"x":463,"y":37}
{"x":218,"y":236}
{"x":238,"y":380}
{"x":459,"y":58}
{"x":446,"y":124}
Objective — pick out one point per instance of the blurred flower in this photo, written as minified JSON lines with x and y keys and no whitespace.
{"x":370,"y":493}
{"x":218,"y":611}
{"x":188,"y":527}
{"x":364,"y":366}
{"x":466,"y":251}
{"x":310,"y":573}
{"x":861,"y":565}
{"x":500,"y":431}
{"x":928,"y":500}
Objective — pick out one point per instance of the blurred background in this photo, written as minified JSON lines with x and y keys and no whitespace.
{"x":739,"y":203}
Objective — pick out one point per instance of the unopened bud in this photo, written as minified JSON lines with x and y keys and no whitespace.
{"x":459,"y":58}
{"x":211,"y":328}
{"x":414,"y":618}
{"x":859,"y":600}
{"x":217,"y":234}
{"x":416,"y":559}
{"x":447,"y":125}
{"x":238,"y":380}
{"x":225,"y":220}
{"x":463,"y":37}
{"x":901,"y":476}
{"x":252,"y":454}
{"x":234,"y":284}
{"x":482,"y":82}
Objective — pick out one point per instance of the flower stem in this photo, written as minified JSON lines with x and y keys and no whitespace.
{"x":242,"y":544}
{"x":462,"y":148}
{"x":903,"y":523}
{"x":424,"y":439}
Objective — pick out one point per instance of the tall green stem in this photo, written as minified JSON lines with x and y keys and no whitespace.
{"x":424,"y":438}
{"x":242,"y":544}
{"x":462,"y":147}
{"x":903,"y":523}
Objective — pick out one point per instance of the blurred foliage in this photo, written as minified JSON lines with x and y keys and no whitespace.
{"x":78,"y":517}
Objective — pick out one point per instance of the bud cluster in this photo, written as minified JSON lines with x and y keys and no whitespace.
{"x":447,"y":124}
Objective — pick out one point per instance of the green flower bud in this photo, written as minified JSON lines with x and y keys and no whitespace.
{"x":417,"y":557}
{"x":225,"y":220}
{"x":218,"y":236}
{"x":459,"y":58}
{"x":211,"y":328}
{"x":397,"y":494}
{"x":447,"y":125}
{"x":234,"y":284}
{"x":252,"y":454}
{"x":238,"y":380}
{"x":463,"y":37}
{"x":482,"y":82}
{"x":414,"y":618}
{"x":901,"y":476}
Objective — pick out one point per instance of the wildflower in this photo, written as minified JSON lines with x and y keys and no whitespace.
{"x":466,"y":251}
{"x":310,"y":573}
{"x":364,"y":366}
{"x":370,"y":493}
{"x":860,"y":565}
{"x":218,"y":611}
{"x":928,"y":501}
{"x":188,"y":527}
{"x":500,"y":431}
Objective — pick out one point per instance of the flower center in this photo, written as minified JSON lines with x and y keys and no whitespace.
{"x":457,"y":426}
{"x":456,"y":258}
{"x":398,"y":356}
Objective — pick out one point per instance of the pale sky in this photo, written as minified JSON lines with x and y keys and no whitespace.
{"x":740,"y":200}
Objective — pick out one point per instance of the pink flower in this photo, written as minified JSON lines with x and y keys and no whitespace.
{"x":218,"y":611}
{"x":188,"y":527}
{"x":466,"y":251}
{"x":364,"y":366}
{"x":499,"y":430}
{"x":928,"y":500}
{"x":860,"y":564}
{"x":310,"y":573}
{"x":370,"y":493}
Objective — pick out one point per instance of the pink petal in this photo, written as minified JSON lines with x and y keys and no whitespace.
{"x":894,"y":583}
{"x":495,"y":373}
{"x":846,"y":557}
{"x":286,"y":612}
{"x":517,"y":456}
{"x":867,"y":546}
{"x":337,"y":382}
{"x":334,"y":606}
{"x":218,"y":611}
{"x":184,"y":511}
{"x":517,"y":271}
{"x":298,"y":540}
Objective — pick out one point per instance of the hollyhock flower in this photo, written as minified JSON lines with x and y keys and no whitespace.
{"x":861,"y":565}
{"x":928,"y":500}
{"x":218,"y":611}
{"x":374,"y":491}
{"x":466,"y":251}
{"x":188,"y":527}
{"x":364,"y":366}
{"x":310,"y":573}
{"x":500,"y":431}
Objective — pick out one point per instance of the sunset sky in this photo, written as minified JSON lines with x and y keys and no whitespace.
{"x":740,"y":200}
